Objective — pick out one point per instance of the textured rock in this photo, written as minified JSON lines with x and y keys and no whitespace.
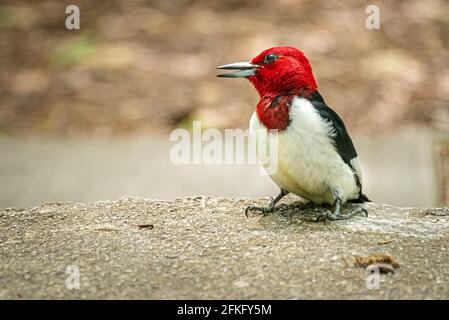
{"x":207,"y":248}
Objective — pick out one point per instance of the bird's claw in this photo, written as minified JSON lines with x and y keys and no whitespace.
{"x":325,"y":216}
{"x":365,"y":212}
{"x":263,"y":210}
{"x":328,"y":215}
{"x":358,"y":211}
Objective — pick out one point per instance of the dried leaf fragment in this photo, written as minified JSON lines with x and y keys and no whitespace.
{"x":385,"y":241}
{"x":376,"y":259}
{"x":146,"y":226}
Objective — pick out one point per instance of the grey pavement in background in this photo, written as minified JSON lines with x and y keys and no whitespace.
{"x":398,"y":167}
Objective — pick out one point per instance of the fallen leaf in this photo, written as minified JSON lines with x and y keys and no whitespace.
{"x":377,"y":259}
{"x":145,"y":226}
{"x":385,"y":241}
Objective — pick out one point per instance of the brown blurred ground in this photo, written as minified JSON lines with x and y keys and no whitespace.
{"x":148,"y":66}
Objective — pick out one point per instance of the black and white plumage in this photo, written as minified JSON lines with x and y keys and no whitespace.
{"x":316,"y":157}
{"x":342,"y":140}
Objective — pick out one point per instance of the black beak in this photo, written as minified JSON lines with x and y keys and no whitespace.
{"x":246,"y":70}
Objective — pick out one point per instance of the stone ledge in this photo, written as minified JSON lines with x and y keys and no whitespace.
{"x":205,"y":248}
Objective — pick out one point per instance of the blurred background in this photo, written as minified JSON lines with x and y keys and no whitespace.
{"x":86,"y":114}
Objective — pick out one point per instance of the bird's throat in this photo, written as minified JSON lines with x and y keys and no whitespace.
{"x":273,"y":112}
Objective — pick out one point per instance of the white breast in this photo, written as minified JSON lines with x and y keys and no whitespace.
{"x":308,"y":163}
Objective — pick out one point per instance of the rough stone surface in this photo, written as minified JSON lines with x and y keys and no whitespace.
{"x":205,"y":248}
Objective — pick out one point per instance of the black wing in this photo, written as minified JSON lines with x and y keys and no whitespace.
{"x":342,"y":140}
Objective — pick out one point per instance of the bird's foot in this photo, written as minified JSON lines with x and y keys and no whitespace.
{"x":337,"y":215}
{"x":262,"y":210}
{"x":358,"y":211}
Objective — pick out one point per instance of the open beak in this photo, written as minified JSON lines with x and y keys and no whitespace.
{"x":245,"y":70}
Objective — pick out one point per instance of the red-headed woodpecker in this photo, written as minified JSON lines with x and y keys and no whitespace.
{"x":316,"y":157}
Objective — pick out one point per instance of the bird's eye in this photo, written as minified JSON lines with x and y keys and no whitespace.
{"x":271,"y":57}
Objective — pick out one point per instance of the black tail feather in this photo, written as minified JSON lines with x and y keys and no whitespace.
{"x":361,"y":199}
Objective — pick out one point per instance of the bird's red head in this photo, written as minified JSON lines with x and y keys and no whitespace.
{"x":276,"y":71}
{"x":282,"y":70}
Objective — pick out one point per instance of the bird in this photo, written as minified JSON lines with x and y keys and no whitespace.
{"x":317,"y":160}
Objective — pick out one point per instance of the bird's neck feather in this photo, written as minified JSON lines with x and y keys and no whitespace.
{"x":273,"y":111}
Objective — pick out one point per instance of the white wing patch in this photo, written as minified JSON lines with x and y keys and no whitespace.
{"x":355,"y":163}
